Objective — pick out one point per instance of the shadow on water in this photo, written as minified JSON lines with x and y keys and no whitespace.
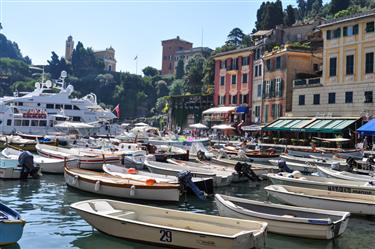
{"x":44,"y":204}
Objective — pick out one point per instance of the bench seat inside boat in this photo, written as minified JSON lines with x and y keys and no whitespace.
{"x":104,"y":208}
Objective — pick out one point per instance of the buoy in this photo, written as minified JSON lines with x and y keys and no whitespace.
{"x":150,"y":182}
{"x":132,"y":190}
{"x":97,"y":186}
{"x":132,"y":171}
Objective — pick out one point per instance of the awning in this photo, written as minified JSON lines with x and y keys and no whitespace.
{"x":242,"y":109}
{"x":223,"y":127}
{"x":368,"y":128}
{"x":219,"y":110}
{"x":251,"y":128}
{"x":321,"y":125}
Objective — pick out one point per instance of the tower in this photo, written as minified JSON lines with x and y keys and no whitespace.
{"x":69,"y":48}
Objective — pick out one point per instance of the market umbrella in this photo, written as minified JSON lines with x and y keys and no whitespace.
{"x":223,"y":127}
{"x":141,"y":124}
{"x":198,"y":126}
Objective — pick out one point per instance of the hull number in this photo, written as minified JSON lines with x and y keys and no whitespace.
{"x":166,"y":235}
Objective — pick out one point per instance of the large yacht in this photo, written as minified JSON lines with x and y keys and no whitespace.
{"x":50,"y":104}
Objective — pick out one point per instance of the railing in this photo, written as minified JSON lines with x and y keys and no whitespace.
{"x":307,"y":82}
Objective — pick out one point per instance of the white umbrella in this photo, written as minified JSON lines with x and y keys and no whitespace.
{"x":141,"y":124}
{"x":223,"y":127}
{"x":198,"y":126}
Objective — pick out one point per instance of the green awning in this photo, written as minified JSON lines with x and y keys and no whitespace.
{"x":318,"y":125}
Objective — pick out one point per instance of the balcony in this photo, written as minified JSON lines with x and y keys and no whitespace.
{"x":307,"y":82}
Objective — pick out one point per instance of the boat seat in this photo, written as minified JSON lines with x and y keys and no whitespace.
{"x":105,"y":208}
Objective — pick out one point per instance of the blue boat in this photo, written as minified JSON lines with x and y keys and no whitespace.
{"x":11,"y":225}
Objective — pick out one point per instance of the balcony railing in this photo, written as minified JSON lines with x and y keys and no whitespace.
{"x":307,"y":82}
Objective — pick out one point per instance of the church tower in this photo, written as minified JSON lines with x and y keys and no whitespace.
{"x":69,"y":48}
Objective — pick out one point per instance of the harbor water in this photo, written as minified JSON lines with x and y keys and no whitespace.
{"x":44,"y":204}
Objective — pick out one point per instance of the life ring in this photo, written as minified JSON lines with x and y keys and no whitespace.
{"x":150,"y":182}
{"x":132,"y":171}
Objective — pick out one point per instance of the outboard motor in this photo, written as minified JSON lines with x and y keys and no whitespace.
{"x":244,"y":169}
{"x":184,"y":178}
{"x":283,"y":167}
{"x":26,"y":162}
{"x":335,"y":166}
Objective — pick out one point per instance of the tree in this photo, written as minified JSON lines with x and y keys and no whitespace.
{"x":290,"y":17}
{"x":194,"y":74}
{"x":349,"y":11}
{"x":302,"y":9}
{"x":84,"y":61}
{"x":235,"y":37}
{"x":162,"y":89}
{"x":180,"y":69}
{"x":150,"y":71}
{"x":338,"y":5}
{"x":316,"y":7}
{"x":269,"y":15}
{"x":177,"y":87}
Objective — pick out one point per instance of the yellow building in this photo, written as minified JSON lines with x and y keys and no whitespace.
{"x":348,"y":81}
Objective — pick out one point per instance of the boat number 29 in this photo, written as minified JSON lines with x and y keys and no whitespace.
{"x":166,"y":235}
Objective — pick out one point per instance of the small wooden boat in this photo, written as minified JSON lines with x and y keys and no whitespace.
{"x":47,"y":165}
{"x":287,"y":220}
{"x":323,"y":152}
{"x":345,"y":175}
{"x":293,"y":166}
{"x":11,"y":225}
{"x":171,"y":228}
{"x":163,"y":152}
{"x":314,"y":161}
{"x":173,"y":170}
{"x":87,"y":160}
{"x":9,"y":169}
{"x":105,"y":184}
{"x":253,"y":155}
{"x":204,"y":184}
{"x":316,"y":198}
{"x":17,"y":142}
{"x":324,"y":183}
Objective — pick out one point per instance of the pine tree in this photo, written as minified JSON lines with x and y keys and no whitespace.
{"x":235,"y":37}
{"x":338,"y":5}
{"x":180,"y":69}
{"x":290,"y":17}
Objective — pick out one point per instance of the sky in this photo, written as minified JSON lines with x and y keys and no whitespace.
{"x":132,"y":27}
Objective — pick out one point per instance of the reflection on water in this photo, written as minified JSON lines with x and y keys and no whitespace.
{"x":44,"y":204}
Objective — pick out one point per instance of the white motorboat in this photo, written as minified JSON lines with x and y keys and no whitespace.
{"x":47,"y":165}
{"x":109,"y":185}
{"x":313,"y":160}
{"x":9,"y":169}
{"x":87,"y":160}
{"x":167,"y":227}
{"x":316,"y":198}
{"x":287,"y":220}
{"x":293,"y":166}
{"x":345,"y":175}
{"x":324,"y":183}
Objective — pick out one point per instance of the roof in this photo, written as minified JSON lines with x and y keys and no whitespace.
{"x":194,"y":50}
{"x":318,"y":124}
{"x":177,"y":38}
{"x":262,"y":32}
{"x":220,"y":110}
{"x":348,"y":18}
{"x":247,"y":49}
{"x":368,"y":128}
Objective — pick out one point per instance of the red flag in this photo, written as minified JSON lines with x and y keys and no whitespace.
{"x":117,"y":110}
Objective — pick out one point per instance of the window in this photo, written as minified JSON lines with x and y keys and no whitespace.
{"x":76,"y":118}
{"x":279,"y":87}
{"x":25,"y":122}
{"x":244,"y":78}
{"x":233,"y":99}
{"x":369,"y":62}
{"x":259,"y":90}
{"x":17,"y":122}
{"x":370,"y":27}
{"x":349,"y":31}
{"x":337,"y":33}
{"x":76,"y":107}
{"x":9,"y":122}
{"x":245,"y":61}
{"x":234,"y":64}
{"x":222,"y":64}
{"x":278,"y":62}
{"x":49,"y":106}
{"x":260,"y":70}
{"x":222,"y":80}
{"x":68,"y":107}
{"x":329,"y":35}
{"x":234,"y":79}
{"x":332,"y":66}
{"x":316,"y":99}
{"x":43,"y":123}
{"x":331,"y":98}
{"x":256,"y":71}
{"x":34,"y":122}
{"x":268,"y":64}
{"x":349,"y":64}
{"x":257,"y":111}
{"x":301,"y":100}
{"x":368,"y":97}
{"x":244,"y":99}
{"x":58,"y":106}
{"x":268,"y":86}
{"x":348,"y":97}
{"x":221,"y":100}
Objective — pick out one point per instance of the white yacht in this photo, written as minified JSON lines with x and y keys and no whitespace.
{"x":43,"y":110}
